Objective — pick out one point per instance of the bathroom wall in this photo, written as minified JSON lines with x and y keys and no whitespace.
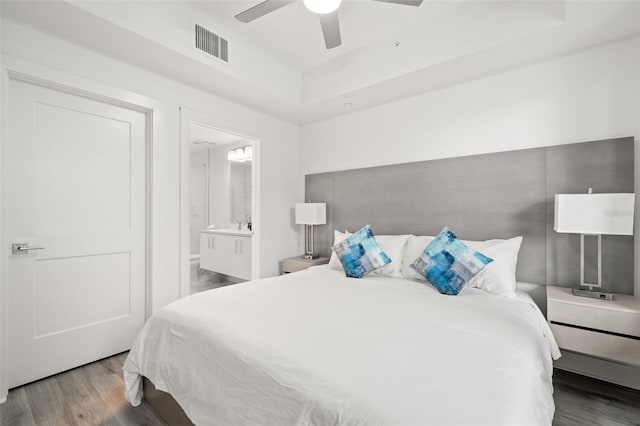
{"x":240,"y":187}
{"x":220,"y":185}
{"x":198,"y":195}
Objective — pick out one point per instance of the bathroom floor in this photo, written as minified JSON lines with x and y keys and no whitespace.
{"x":204,"y":280}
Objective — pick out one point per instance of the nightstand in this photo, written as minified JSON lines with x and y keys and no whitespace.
{"x":295,"y":264}
{"x":608,"y":329}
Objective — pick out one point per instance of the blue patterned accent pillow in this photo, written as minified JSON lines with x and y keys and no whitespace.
{"x":360,"y":253}
{"x":448,"y":263}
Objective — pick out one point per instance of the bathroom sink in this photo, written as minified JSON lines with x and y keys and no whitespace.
{"x":229,"y":231}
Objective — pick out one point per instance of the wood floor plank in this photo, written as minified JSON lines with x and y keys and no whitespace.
{"x":16,"y":410}
{"x":142,"y":415}
{"x":582,"y":400}
{"x":47,"y":403}
{"x":86,"y":404}
{"x":111,"y":389}
{"x":113,"y":365}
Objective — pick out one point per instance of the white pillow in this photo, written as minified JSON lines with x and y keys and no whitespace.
{"x":499,"y":276}
{"x":338,"y":237}
{"x":415,"y":247}
{"x":392,"y":245}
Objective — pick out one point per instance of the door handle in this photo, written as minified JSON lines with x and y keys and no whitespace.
{"x":23,"y":248}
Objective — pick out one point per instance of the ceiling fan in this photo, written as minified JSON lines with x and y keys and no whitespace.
{"x":327,"y":11}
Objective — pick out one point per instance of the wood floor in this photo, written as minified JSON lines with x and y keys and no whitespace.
{"x":89,"y":395}
{"x":93,"y":395}
{"x":582,"y":400}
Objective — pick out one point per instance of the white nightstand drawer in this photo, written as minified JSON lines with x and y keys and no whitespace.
{"x":596,"y":317}
{"x":617,"y":348}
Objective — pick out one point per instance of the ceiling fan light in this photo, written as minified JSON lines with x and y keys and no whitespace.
{"x":322,"y":6}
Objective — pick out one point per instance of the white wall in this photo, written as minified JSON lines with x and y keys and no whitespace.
{"x":281,"y":185}
{"x":220,"y":185}
{"x":198,"y":198}
{"x":589,"y":95}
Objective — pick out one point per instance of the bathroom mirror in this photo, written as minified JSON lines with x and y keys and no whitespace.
{"x":240,"y":191}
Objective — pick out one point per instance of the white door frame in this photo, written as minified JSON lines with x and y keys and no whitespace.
{"x":25,"y":71}
{"x":187,"y":116}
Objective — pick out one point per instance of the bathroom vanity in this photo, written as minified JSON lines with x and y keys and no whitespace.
{"x":227,"y":252}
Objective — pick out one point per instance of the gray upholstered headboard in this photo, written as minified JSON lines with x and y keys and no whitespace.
{"x":487,"y":196}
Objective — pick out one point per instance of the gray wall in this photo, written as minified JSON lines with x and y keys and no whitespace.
{"x":480,"y":197}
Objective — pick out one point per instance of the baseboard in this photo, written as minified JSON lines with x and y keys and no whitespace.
{"x":613,"y":372}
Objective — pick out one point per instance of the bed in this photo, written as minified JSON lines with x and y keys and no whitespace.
{"x":315,"y":347}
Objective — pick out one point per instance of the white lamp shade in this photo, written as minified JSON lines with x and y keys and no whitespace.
{"x":311,"y":213}
{"x":607,"y":214}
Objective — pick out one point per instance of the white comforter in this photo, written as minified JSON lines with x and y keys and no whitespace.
{"x":317,"y":348}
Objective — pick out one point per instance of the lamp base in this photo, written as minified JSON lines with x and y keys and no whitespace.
{"x":310,"y":256}
{"x":592,"y":294}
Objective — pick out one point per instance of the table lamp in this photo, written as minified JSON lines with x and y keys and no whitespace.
{"x":593,"y":215}
{"x":310,"y":214}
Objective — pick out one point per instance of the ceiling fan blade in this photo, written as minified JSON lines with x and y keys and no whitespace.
{"x":261,"y":9}
{"x":330,"y":29}
{"x":403,"y":2}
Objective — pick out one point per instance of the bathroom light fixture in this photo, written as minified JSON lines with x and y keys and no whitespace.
{"x":322,"y":6}
{"x":240,"y":155}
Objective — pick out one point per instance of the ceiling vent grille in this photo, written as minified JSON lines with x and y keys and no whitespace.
{"x":212,"y":43}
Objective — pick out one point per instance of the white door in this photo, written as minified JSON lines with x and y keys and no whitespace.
{"x":75,"y":190}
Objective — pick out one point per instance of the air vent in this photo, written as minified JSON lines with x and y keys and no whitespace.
{"x":212,"y":43}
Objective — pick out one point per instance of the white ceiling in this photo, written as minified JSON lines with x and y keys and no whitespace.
{"x":278,"y":62}
{"x":293,"y":33}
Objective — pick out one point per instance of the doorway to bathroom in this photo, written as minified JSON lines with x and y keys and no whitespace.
{"x":218,"y":211}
